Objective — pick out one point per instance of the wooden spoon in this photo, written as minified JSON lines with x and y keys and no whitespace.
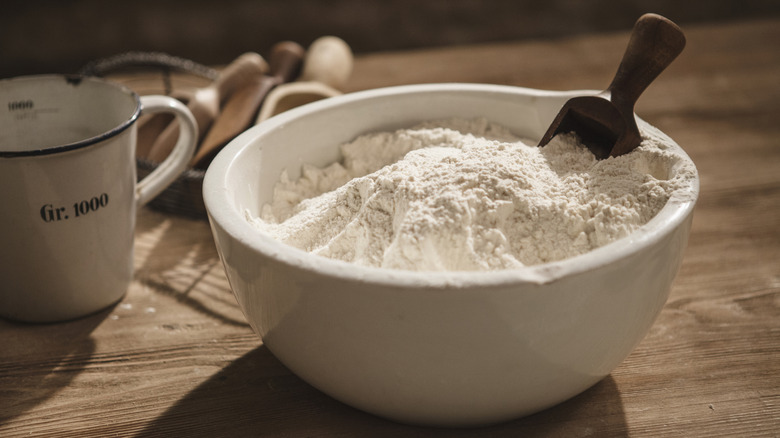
{"x":240,"y":109}
{"x":205,"y":103}
{"x":326,"y":69}
{"x":605,"y":122}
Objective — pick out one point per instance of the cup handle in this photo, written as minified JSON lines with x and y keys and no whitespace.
{"x":177,"y":161}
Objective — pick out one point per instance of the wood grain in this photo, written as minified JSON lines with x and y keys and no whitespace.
{"x":176,"y":358}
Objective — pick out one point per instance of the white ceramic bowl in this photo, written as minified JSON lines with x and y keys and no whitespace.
{"x":437,"y":348}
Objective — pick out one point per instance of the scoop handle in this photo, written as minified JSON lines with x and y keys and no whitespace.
{"x":285,"y":60}
{"x":655,"y":42}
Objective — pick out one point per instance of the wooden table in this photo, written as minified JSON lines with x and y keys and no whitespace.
{"x":176,"y":358}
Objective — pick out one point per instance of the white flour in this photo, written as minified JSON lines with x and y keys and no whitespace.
{"x":467,"y":195}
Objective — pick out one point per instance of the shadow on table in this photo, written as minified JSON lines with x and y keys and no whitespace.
{"x":257,"y":396}
{"x":179,"y":238}
{"x":178,"y":260}
{"x":38,"y":360}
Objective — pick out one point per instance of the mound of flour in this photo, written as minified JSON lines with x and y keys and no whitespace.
{"x":468,"y":195}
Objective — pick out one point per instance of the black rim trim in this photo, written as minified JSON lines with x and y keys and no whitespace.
{"x":89,"y":141}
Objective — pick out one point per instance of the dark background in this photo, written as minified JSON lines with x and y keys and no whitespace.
{"x":60,"y":36}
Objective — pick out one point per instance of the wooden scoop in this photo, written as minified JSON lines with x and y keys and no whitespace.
{"x":326,"y":69}
{"x":605,"y":122}
{"x":240,"y":109}
{"x":205,"y":102}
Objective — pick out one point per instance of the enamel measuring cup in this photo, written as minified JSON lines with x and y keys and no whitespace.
{"x":69,"y":194}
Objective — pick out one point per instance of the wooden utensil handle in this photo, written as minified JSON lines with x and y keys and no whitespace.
{"x":238,"y":73}
{"x":655,"y":42}
{"x":285,"y":61}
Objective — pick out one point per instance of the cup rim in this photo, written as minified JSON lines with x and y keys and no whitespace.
{"x":223,"y":214}
{"x":76,"y":79}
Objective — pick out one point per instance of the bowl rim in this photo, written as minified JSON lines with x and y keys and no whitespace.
{"x":223,"y":213}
